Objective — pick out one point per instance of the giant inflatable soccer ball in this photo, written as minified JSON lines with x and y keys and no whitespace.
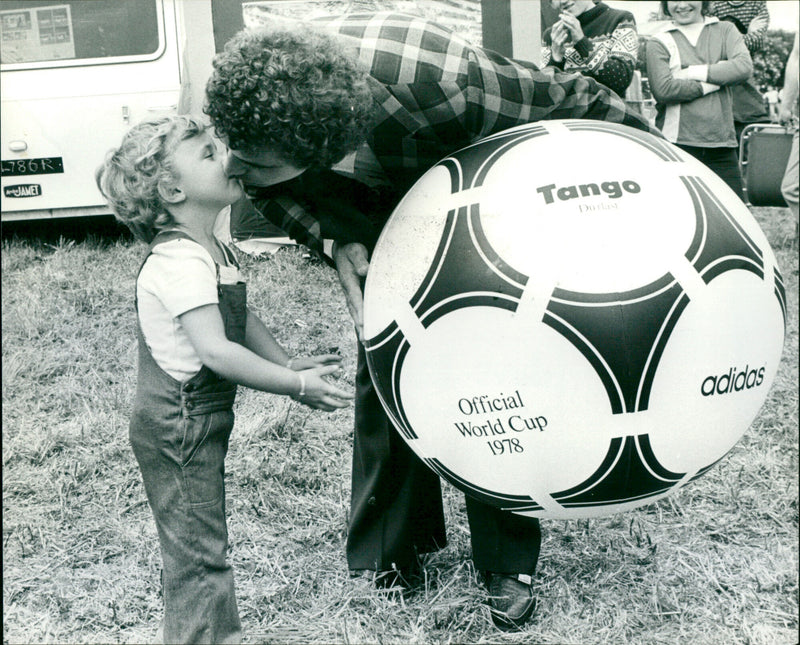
{"x":572,"y":318}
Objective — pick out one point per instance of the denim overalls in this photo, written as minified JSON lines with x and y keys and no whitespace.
{"x":179,"y":433}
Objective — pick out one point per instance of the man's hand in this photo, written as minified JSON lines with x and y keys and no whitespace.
{"x":352,"y":265}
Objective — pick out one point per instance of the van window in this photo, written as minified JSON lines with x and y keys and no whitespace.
{"x":76,"y":30}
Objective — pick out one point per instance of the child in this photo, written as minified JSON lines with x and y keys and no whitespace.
{"x":692,"y":64}
{"x":197,"y":340}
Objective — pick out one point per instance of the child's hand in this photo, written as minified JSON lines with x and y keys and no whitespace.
{"x":309,"y":362}
{"x":318,"y":393}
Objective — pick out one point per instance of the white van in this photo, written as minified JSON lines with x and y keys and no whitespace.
{"x":74,"y":76}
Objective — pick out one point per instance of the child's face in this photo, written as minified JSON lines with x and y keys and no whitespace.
{"x":575,"y":7}
{"x":200,"y":169}
{"x":686,"y":13}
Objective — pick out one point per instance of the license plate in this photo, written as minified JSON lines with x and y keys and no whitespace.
{"x":40,"y":166}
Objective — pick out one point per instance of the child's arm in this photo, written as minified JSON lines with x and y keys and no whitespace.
{"x":261,"y":341}
{"x":239,"y":364}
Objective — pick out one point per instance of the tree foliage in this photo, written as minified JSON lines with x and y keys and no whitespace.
{"x":770,"y":61}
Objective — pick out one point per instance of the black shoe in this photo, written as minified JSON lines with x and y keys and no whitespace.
{"x":510,"y":599}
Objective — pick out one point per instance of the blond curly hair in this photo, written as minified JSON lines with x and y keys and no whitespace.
{"x":130,"y":176}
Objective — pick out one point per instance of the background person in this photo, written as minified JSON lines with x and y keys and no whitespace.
{"x":399,"y":93}
{"x":787,"y":115}
{"x":593,"y":39}
{"x":751,"y":18}
{"x":772,"y":96}
{"x":691,"y":65}
{"x":197,"y":340}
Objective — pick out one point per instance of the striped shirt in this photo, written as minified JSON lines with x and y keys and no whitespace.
{"x":435,"y":93}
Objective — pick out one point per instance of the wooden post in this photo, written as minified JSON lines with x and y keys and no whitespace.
{"x":204,"y":27}
{"x":228,"y":19}
{"x":513,"y":28}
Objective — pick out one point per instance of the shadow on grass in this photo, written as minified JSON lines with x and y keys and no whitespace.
{"x":101,"y":230}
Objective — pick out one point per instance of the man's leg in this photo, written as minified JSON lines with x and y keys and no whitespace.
{"x":396,"y":506}
{"x":506,"y":547}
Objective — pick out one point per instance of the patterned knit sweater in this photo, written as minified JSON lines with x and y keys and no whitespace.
{"x":607,"y":52}
{"x":741,"y":14}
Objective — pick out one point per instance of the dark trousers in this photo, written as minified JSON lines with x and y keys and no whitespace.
{"x":723,"y":161}
{"x":396,"y":507}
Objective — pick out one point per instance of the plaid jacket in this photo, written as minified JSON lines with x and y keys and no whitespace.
{"x":435,"y":93}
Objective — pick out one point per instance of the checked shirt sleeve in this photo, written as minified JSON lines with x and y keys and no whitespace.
{"x":436,"y":93}
{"x":285,"y":213}
{"x":515,"y":93}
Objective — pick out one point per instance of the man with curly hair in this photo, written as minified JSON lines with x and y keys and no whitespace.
{"x":381,"y":98}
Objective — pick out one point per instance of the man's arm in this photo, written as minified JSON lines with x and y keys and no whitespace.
{"x":545,"y":95}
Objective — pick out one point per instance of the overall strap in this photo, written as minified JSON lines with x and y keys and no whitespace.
{"x":163,"y":236}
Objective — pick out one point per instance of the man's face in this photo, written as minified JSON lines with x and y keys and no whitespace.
{"x":262,"y":168}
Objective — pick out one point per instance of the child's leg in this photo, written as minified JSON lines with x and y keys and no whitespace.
{"x":183,"y":473}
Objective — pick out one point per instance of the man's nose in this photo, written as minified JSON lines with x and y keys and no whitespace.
{"x":234,"y":167}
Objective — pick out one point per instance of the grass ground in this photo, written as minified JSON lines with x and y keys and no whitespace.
{"x":715,"y":563}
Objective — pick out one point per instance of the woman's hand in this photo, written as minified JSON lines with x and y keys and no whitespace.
{"x":757,"y":24}
{"x":559,"y":38}
{"x":573,"y":26}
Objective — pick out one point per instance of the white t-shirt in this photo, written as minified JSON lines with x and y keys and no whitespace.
{"x":772,"y":96}
{"x":178,"y":276}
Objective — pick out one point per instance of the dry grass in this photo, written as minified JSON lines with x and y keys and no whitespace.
{"x":715,"y":563}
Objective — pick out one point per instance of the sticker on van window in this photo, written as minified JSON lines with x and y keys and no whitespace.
{"x":23,"y":190}
{"x":40,"y":166}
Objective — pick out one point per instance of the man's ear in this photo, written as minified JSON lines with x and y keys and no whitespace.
{"x":171,"y":193}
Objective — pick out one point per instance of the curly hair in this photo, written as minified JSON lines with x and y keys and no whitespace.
{"x":295,"y":91}
{"x":130,"y":176}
